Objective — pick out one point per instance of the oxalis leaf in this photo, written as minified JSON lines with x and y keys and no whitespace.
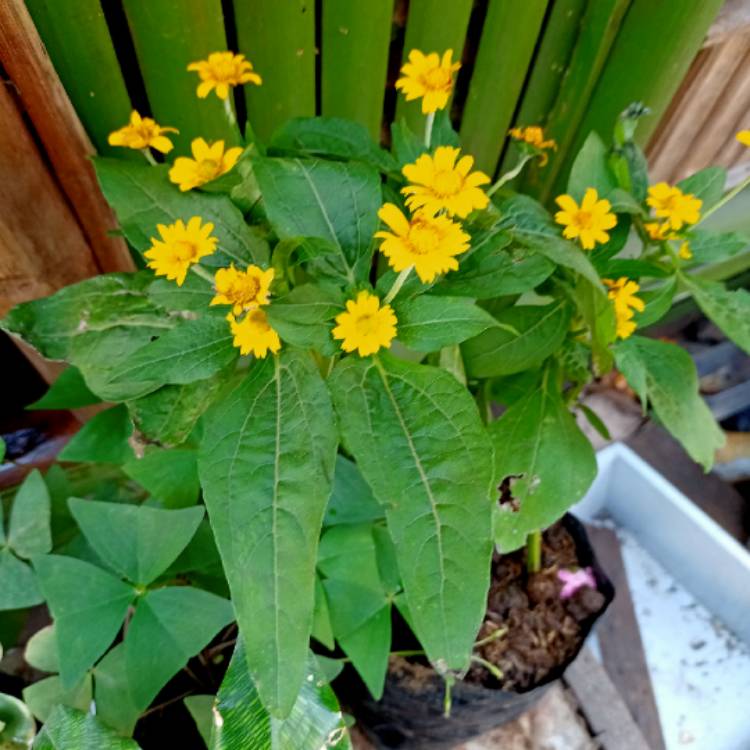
{"x":548,"y":460}
{"x":266,"y":467}
{"x":68,"y":728}
{"x":664,"y":375}
{"x":419,"y":443}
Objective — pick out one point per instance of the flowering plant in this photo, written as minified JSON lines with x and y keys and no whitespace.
{"x":323,"y":327}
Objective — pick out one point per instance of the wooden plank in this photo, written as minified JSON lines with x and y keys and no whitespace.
{"x":432,"y":26}
{"x":168,"y":35}
{"x":507,"y":45}
{"x":77,"y":39}
{"x":66,"y":144}
{"x":604,"y":709}
{"x":620,"y":642}
{"x":355,"y":44}
{"x":278,"y":37}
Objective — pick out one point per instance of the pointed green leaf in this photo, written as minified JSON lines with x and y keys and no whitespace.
{"x":591,"y":169}
{"x":564,"y":253}
{"x":170,"y":476}
{"x":266,"y":467}
{"x":322,"y":630}
{"x":195,"y":294}
{"x":114,"y":702}
{"x":664,"y":375}
{"x":41,"y":650}
{"x":658,"y":303}
{"x":706,"y":184}
{"x":711,"y":247}
{"x":170,"y":626}
{"x":28,"y":527}
{"x":137,"y":541}
{"x":352,"y":500}
{"x":200,"y":708}
{"x":549,"y":461}
{"x":18,"y":585}
{"x":68,"y":728}
{"x":88,"y":607}
{"x":69,"y":391}
{"x":43,"y":696}
{"x":103,"y":439}
{"x":418,"y":441}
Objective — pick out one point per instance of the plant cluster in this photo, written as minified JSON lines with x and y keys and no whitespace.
{"x":313,"y":346}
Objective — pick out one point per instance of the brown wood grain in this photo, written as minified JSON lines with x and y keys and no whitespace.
{"x":67,"y":146}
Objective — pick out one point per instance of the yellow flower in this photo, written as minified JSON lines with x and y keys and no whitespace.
{"x":441,"y":183}
{"x":180,"y":246}
{"x":244,"y":290}
{"x":429,"y":243}
{"x":622,"y":293}
{"x":671,"y":204}
{"x":685,"y":252}
{"x":744,"y":137}
{"x":658,"y":231}
{"x":254,"y":334}
{"x":533,"y":135}
{"x":588,"y":222}
{"x":140,"y":133}
{"x":210,"y":162}
{"x":221,"y":71}
{"x":428,"y":77}
{"x":365,"y":325}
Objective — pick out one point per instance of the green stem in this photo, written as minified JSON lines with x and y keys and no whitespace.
{"x":202,"y":272}
{"x":728,"y":197}
{"x":448,"y":698}
{"x":229,"y":111}
{"x":429,"y":122}
{"x":499,"y":633}
{"x":397,"y":284}
{"x":534,"y":552}
{"x":149,"y":157}
{"x":508,"y":176}
{"x":484,"y":400}
{"x":488,"y":665}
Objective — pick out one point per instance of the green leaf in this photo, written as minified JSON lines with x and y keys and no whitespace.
{"x":114,"y":703}
{"x":195,"y":294}
{"x":549,"y":461}
{"x":304,"y":317}
{"x":707,"y":184}
{"x":664,"y":375}
{"x":170,"y":626}
{"x":69,"y":391}
{"x":528,"y":334}
{"x":352,"y":500}
{"x":566,"y":254}
{"x":332,"y":137}
{"x":427,"y":323}
{"x":658,"y":303}
{"x":633,"y":268}
{"x":143,"y":197}
{"x":200,"y":708}
{"x":170,"y":476}
{"x":41,"y":650}
{"x":28,"y":528}
{"x":623,"y":202}
{"x":137,"y":541}
{"x":407,"y":145}
{"x":595,"y":421}
{"x":103,"y":439}
{"x":591,"y":169}
{"x":266,"y":467}
{"x":333,"y":201}
{"x":418,"y":441}
{"x":314,"y":722}
{"x":68,"y":728}
{"x":193,"y":350}
{"x":730,"y":310}
{"x":43,"y":696}
{"x":17,"y":727}
{"x":18,"y":586}
{"x":598,"y":313}
{"x":88,"y":606}
{"x":711,"y":247}
{"x":322,"y":630}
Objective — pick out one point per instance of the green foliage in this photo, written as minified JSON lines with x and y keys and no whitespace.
{"x":707,"y":184}
{"x":710,"y":247}
{"x":17,"y":728}
{"x":69,"y":728}
{"x":103,"y":439}
{"x":170,"y":476}
{"x":591,"y":169}
{"x":69,"y":391}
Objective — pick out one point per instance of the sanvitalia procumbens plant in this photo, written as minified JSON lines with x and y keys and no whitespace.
{"x":332,"y":323}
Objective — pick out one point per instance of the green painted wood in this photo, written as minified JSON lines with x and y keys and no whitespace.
{"x":432,"y":26}
{"x":278,"y":37}
{"x":506,"y":48}
{"x":168,"y":36}
{"x":355,"y":43}
{"x":77,"y":39}
{"x":599,"y":27}
{"x":649,"y":59}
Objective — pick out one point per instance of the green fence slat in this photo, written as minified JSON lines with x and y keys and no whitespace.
{"x":77,"y":39}
{"x":278,"y":37}
{"x":599,"y":27}
{"x":432,"y":26}
{"x":354,"y":49}
{"x":649,"y":59}
{"x":168,"y":35}
{"x":506,"y":48}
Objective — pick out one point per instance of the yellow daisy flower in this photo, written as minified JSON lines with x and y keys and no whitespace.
{"x":671,"y":204}
{"x":658,"y":231}
{"x":180,"y":246}
{"x":685,"y":252}
{"x":443,"y":181}
{"x":589,"y":222}
{"x":533,"y":136}
{"x":221,"y":71}
{"x":244,"y":290}
{"x":429,"y":243}
{"x":254,"y":334}
{"x":429,"y":78}
{"x":622,"y":293}
{"x":365,"y":325}
{"x":210,"y":161}
{"x":744,"y":137}
{"x":140,"y":133}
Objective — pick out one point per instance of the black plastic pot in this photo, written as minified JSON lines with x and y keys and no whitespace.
{"x":409,"y":716}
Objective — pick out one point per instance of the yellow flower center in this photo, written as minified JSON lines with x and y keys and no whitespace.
{"x":208,"y":169}
{"x":224,"y":71}
{"x":582,"y":219}
{"x":422,"y":238}
{"x":438,"y":78}
{"x":246,"y":291}
{"x":367,"y":324}
{"x":183,"y":250}
{"x":447,"y":183}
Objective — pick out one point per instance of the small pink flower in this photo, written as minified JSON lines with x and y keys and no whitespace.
{"x":575,"y":580}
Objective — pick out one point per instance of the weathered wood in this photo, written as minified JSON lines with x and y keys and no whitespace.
{"x":620,"y":641}
{"x":67,"y":146}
